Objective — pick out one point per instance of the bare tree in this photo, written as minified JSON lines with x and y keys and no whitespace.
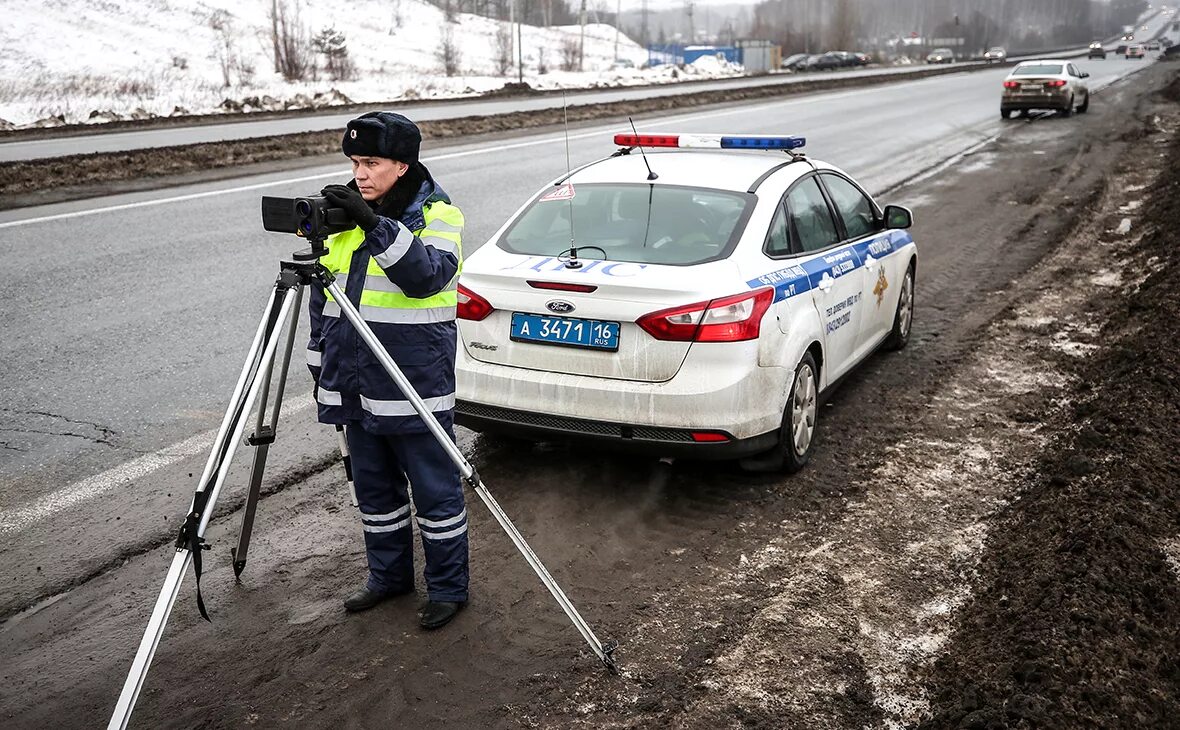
{"x":448,"y":51}
{"x":571,"y":54}
{"x":293,"y":55}
{"x":503,"y":49}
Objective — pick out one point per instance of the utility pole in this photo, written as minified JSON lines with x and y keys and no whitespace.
{"x":643,"y":24}
{"x":618,"y":22}
{"x":514,"y":31}
{"x":582,"y":40}
{"x":691,"y":31}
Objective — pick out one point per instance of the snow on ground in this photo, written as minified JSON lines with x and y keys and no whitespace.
{"x":87,"y":61}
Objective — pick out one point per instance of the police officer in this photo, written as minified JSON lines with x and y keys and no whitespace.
{"x":399,"y":266}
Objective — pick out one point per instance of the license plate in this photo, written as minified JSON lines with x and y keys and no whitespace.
{"x":546,"y":330}
{"x":1031,"y":87}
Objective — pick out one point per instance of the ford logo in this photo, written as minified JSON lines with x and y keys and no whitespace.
{"x":559,"y":306}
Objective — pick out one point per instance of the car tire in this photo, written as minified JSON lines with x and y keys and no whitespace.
{"x":1067,"y":110}
{"x":1006,"y":113}
{"x":1085,"y":107}
{"x":800,"y":416}
{"x":798,"y":424}
{"x":903,"y":316}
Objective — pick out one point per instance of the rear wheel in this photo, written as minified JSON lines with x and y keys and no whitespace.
{"x":800,"y":416}
{"x":1006,"y":113}
{"x":1085,"y":105}
{"x":796,"y":437}
{"x":903,"y":318}
{"x":1066,"y":110}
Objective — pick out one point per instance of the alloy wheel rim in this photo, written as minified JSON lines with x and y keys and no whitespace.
{"x":803,"y":409}
{"x":905,"y":313}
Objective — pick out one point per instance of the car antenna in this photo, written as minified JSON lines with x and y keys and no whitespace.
{"x":650,"y":175}
{"x":572,"y":262}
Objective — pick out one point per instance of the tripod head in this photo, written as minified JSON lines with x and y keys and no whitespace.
{"x":317,"y":250}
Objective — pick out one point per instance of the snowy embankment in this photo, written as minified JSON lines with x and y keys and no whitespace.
{"x":93,"y":61}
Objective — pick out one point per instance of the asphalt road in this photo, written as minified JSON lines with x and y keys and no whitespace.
{"x":122,"y":351}
{"x":99,"y":141}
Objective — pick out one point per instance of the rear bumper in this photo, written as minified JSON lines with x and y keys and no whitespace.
{"x":614,"y":436}
{"x":1034,"y":101}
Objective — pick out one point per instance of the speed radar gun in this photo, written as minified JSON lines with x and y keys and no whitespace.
{"x":270,"y":354}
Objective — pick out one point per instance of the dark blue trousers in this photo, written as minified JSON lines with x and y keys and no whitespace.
{"x":382,"y":468}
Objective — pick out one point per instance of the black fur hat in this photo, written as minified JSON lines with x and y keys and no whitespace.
{"x":383,"y":134}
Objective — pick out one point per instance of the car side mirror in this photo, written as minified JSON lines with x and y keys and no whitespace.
{"x":1084,"y":75}
{"x":898,"y":217}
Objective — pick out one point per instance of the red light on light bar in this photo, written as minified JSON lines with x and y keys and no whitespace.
{"x":562,"y":286}
{"x":709,"y":437}
{"x":647,"y":140}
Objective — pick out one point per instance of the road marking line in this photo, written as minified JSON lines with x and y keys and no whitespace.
{"x":20,"y":518}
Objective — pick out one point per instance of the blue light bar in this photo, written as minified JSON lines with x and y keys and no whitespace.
{"x":762,"y":143}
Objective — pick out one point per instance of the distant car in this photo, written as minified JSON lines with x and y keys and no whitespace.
{"x":995,"y":55}
{"x":1097,"y":50}
{"x":699,"y":316}
{"x":1151,"y":46}
{"x":793,"y":62}
{"x":1134,"y":51}
{"x":1045,"y":84}
{"x":1129,"y":37}
{"x":624,"y":63}
{"x":1165,"y":42}
{"x":941,"y":55}
{"x":1120,"y":49}
{"x":862,"y":59}
{"x":822,"y":62}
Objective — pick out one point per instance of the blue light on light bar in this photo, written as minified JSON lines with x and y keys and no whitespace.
{"x":762,"y":143}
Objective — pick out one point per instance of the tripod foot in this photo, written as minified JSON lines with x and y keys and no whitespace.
{"x":239,"y":565}
{"x":608,"y":650}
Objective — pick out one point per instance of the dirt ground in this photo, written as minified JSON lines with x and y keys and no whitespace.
{"x":988,"y":536}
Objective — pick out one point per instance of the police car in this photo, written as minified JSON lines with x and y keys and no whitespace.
{"x":686,"y":296}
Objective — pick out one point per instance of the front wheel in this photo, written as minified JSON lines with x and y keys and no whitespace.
{"x":903,"y":318}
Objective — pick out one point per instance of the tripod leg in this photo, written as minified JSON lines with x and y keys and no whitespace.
{"x":192,"y":534}
{"x":603,"y":652}
{"x":263,"y":436}
{"x":340,"y":438}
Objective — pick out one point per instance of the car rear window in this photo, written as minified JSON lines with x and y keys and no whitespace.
{"x":649,"y":224}
{"x":1040,"y":69}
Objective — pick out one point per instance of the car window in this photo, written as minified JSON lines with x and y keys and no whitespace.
{"x":1072,"y":70}
{"x":1038,"y":69}
{"x":810,"y":217}
{"x":653,"y":224}
{"x":853,"y":206}
{"x":778,"y":241}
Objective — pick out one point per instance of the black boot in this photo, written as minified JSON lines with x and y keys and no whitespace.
{"x":436,"y":614}
{"x":365,"y":599}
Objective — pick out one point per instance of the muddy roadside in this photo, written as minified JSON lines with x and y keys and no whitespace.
{"x":23,"y":183}
{"x":824,"y":600}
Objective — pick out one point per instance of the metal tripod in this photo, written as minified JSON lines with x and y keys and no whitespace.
{"x":253,"y":386}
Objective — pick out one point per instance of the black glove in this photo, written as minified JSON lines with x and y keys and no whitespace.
{"x":342,"y":196}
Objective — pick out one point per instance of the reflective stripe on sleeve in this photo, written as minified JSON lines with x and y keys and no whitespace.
{"x":314,"y":357}
{"x":445,"y":535}
{"x":404,"y":407}
{"x":381,"y":283}
{"x":328,"y":397}
{"x":397,"y":249}
{"x":387,"y":528}
{"x":443,"y":523}
{"x":387,"y":516}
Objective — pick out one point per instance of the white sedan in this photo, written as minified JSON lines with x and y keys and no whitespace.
{"x":1045,"y":84}
{"x":695,"y":301}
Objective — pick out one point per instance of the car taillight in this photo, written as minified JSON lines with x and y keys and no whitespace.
{"x":728,"y":319}
{"x":1057,"y":83}
{"x":1011,"y":85}
{"x":472,"y":306}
